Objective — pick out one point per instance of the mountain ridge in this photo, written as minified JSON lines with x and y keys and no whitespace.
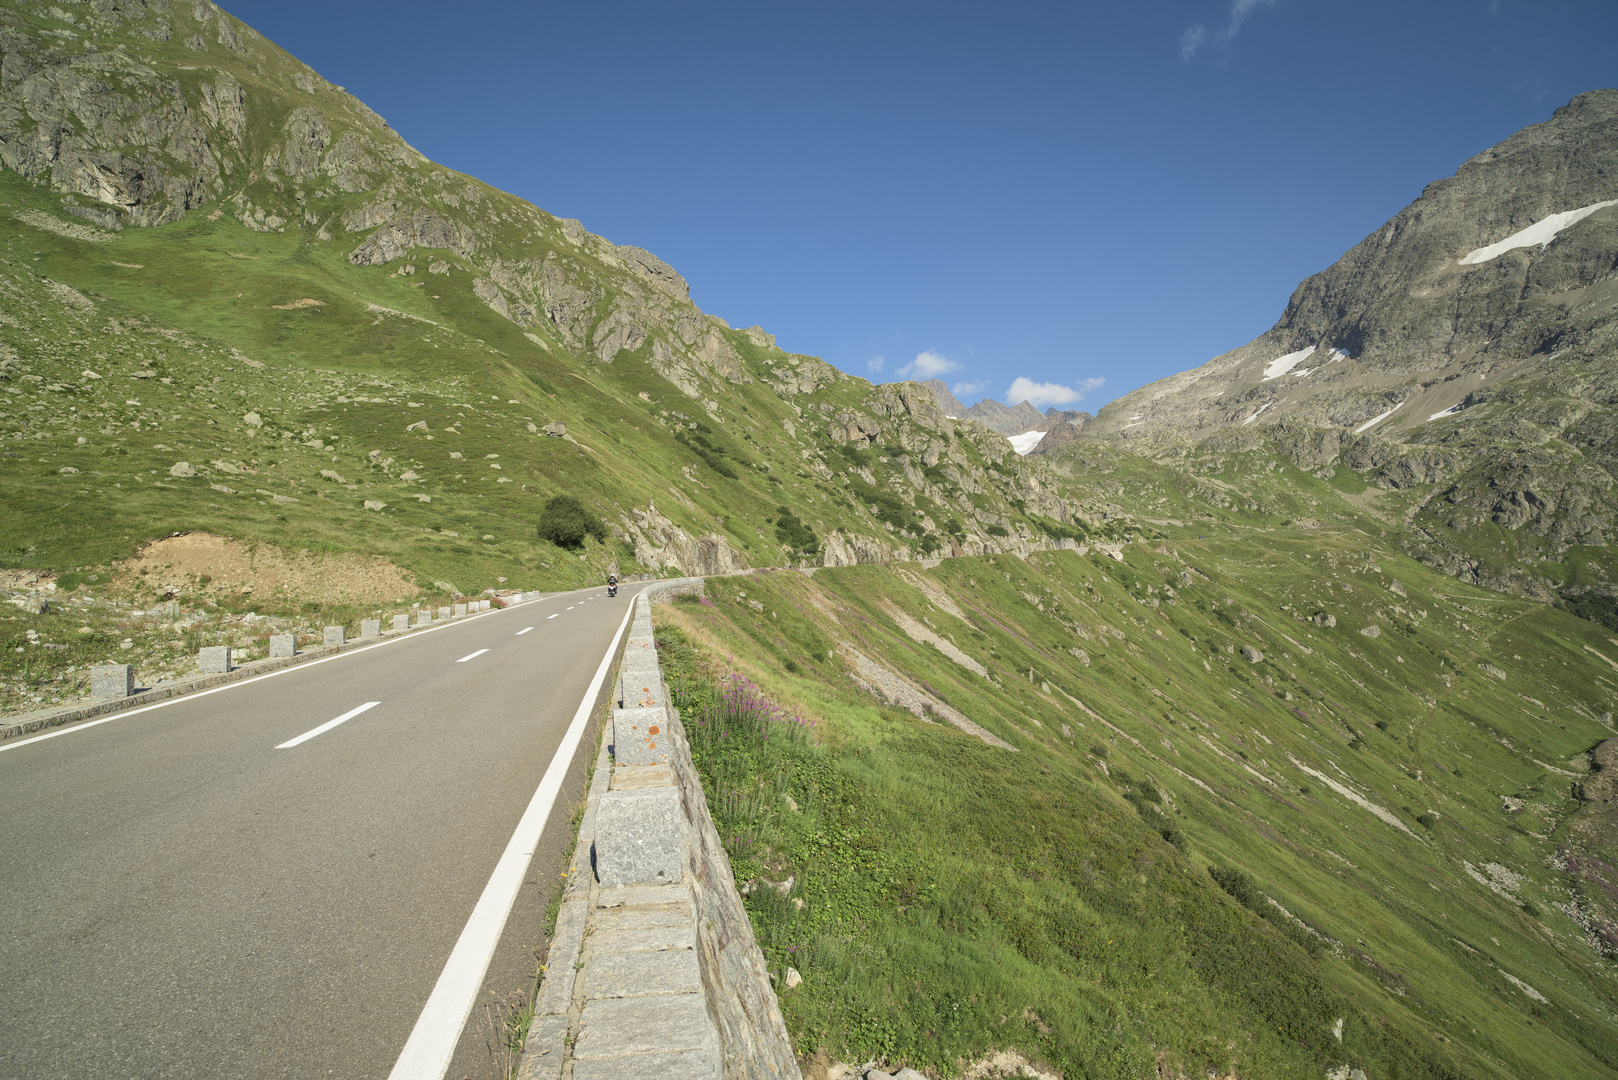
{"x":336,"y":256}
{"x":1442,"y":358}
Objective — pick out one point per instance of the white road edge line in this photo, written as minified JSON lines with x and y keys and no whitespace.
{"x":524,"y":630}
{"x":327,"y":726}
{"x":69,"y":729}
{"x":426,"y":1054}
{"x":471,"y":656}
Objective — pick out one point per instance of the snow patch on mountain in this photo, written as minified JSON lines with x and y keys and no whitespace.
{"x":1541,"y":232}
{"x":1377,"y":419}
{"x":1284,"y":364}
{"x":1024,"y":444}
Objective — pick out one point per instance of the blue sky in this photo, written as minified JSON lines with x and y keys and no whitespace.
{"x":1083,"y":197}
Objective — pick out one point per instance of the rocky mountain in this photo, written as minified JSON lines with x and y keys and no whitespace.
{"x":1462,"y":354}
{"x":236,"y":300}
{"x":1007,"y":421}
{"x":1060,"y":429}
{"x":946,"y":400}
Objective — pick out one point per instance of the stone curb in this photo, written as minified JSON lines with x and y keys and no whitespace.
{"x":39,"y":720}
{"x":555,"y":1024}
{"x":659,"y":975}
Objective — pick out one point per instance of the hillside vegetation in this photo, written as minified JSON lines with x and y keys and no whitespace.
{"x":1182,"y":749}
{"x":235,"y":300}
{"x":1198,"y":806}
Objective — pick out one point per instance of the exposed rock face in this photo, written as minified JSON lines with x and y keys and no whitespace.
{"x":240,"y":128}
{"x":1014,"y":421}
{"x":946,"y":400}
{"x":145,"y":147}
{"x":1072,"y":417}
{"x":660,"y":543}
{"x":1404,"y":320}
{"x":1057,"y":435}
{"x":1451,"y":348}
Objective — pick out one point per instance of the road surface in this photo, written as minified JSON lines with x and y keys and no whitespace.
{"x":268,"y":879}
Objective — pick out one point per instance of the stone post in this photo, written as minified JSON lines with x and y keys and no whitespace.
{"x":637,"y":838}
{"x":460,"y":609}
{"x":214,"y":659}
{"x":283,"y":645}
{"x":370,"y":628}
{"x":112,"y":680}
{"x":335,"y":635}
{"x":401,"y":622}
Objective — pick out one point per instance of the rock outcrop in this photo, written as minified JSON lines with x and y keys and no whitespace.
{"x":1464,"y":350}
{"x":1007,"y":421}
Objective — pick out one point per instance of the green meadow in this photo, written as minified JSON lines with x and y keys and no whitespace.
{"x":1352,"y":852}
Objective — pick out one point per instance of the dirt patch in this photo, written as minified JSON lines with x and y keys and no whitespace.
{"x":930,"y":588}
{"x":27,"y":579}
{"x":924,"y":636}
{"x":887,"y":685}
{"x":264,"y":571}
{"x":998,"y":1063}
{"x":307,"y":301}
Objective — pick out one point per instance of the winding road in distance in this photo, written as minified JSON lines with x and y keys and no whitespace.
{"x":269,"y":879}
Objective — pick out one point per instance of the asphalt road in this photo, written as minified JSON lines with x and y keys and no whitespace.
{"x":182,"y":895}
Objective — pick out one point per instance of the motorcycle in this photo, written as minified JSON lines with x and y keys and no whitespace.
{"x":612,"y":589}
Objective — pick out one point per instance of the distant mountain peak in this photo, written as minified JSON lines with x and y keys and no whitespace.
{"x":946,"y":400}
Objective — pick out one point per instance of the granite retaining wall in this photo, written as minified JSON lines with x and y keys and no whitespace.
{"x":653,"y":969}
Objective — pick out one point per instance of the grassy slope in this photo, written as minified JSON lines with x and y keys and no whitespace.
{"x":176,"y":334}
{"x":946,"y":879}
{"x":214,"y":286}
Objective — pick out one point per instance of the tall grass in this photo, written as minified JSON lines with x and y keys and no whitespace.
{"x":746,"y":748}
{"x":943,"y":900}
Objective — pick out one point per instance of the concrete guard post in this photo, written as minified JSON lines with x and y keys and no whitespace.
{"x":112,"y":680}
{"x":214,"y":659}
{"x":654,"y":970}
{"x":121,"y":692}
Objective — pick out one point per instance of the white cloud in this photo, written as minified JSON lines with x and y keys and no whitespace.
{"x":929,"y":365}
{"x":874,"y":364}
{"x":964,"y":390}
{"x":1198,"y":34}
{"x":1042,"y":395}
{"x":1194,"y":38}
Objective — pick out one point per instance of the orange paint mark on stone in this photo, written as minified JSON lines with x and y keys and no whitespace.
{"x":653,"y":730}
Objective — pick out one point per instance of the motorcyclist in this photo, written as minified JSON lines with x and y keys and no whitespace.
{"x":612,"y":584}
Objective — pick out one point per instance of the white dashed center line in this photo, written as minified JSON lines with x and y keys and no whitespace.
{"x":471,"y":656}
{"x":524,"y":630}
{"x":553,"y":616}
{"x":327,"y":726}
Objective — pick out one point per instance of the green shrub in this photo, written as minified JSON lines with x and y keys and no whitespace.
{"x":794,"y":533}
{"x":566,"y":522}
{"x":1238,"y":884}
